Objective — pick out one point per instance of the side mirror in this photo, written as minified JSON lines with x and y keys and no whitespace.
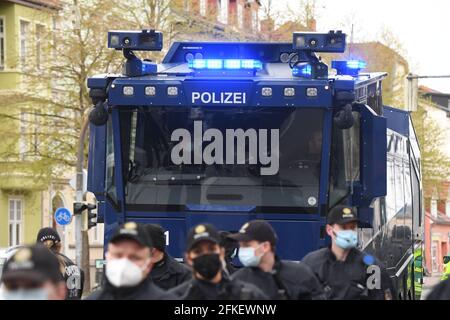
{"x":98,"y":115}
{"x":344,"y":118}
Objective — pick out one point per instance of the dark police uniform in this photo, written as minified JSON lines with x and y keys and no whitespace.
{"x":287,"y":281}
{"x":347,"y":280}
{"x":169,"y":273}
{"x":73,"y":275}
{"x":230,"y":246}
{"x":359,"y":277}
{"x":227,"y":289}
{"x":441,"y":291}
{"x":146,"y":290}
{"x":35,"y":264}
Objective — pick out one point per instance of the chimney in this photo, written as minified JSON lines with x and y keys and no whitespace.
{"x":434,"y":204}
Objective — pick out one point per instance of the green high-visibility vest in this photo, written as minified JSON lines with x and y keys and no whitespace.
{"x":446,"y":272}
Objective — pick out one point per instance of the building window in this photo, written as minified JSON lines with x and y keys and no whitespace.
{"x":240,"y":15}
{"x":15,"y":221}
{"x":24,"y":32}
{"x":23,"y":139}
{"x":223,"y":16}
{"x":39,"y":44}
{"x":2,"y":43}
{"x":447,"y":208}
{"x":255,"y":20}
{"x":203,"y":7}
{"x":434,"y":208}
{"x":434,"y":257}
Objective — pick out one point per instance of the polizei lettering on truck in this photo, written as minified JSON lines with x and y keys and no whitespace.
{"x":219,"y":98}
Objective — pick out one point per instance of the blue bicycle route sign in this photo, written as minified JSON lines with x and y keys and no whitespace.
{"x":63,"y":216}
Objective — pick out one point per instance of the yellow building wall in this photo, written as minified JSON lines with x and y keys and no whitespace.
{"x":15,"y":177}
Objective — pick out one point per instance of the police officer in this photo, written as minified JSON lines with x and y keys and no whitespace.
{"x":440,"y":291}
{"x":209,"y":281}
{"x":344,"y":271}
{"x":73,"y":275}
{"x":230,"y":246}
{"x":33,"y":273}
{"x":446,"y":268}
{"x":166,"y":273}
{"x":281,"y":280}
{"x":128,"y":264}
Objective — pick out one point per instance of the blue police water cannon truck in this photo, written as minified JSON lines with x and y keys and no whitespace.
{"x":227,"y":132}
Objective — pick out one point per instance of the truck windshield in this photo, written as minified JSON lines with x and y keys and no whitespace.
{"x":264,"y":158}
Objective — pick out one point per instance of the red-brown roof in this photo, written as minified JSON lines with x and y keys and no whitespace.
{"x":425,"y":89}
{"x":52,"y":4}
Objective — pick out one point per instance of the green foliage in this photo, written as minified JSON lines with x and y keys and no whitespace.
{"x":42,"y":124}
{"x":435,"y":163}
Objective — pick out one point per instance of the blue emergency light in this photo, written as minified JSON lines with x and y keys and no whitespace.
{"x":350,"y":67}
{"x":303,"y":70}
{"x":225,"y":64}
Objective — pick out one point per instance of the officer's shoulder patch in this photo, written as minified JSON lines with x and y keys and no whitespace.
{"x":369,"y":259}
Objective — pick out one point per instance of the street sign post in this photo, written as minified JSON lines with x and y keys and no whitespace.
{"x":63,"y":216}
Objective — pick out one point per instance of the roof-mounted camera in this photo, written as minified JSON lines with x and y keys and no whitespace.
{"x":144,"y":40}
{"x":129,"y":41}
{"x":307,"y":64}
{"x":333,"y":41}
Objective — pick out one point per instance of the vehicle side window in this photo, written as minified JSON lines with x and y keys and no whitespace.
{"x":345,"y":161}
{"x":338,"y":184}
{"x":390,"y":194}
{"x":416,"y":205}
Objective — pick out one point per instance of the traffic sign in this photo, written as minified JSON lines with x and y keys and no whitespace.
{"x":63,"y":216}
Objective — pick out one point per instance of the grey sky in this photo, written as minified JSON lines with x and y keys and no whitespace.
{"x":423,"y":27}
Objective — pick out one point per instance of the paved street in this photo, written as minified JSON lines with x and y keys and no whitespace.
{"x":429,"y":283}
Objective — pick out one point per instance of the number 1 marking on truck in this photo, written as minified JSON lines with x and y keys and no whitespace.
{"x":167,"y":237}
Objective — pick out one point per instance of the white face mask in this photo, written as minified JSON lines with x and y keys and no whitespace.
{"x":248,"y":256}
{"x":25,"y":294}
{"x":124,"y":273}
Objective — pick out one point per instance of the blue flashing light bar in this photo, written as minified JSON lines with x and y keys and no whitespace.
{"x":214,"y":64}
{"x":356,"y":64}
{"x":232,"y":64}
{"x":228,"y":64}
{"x":351,"y":67}
{"x":303,"y":70}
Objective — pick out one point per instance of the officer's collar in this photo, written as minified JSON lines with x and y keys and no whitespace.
{"x":275,"y":269}
{"x":349,"y":258}
{"x":225,"y":279}
{"x":277,"y":264}
{"x":126,"y":291}
{"x":161,"y":262}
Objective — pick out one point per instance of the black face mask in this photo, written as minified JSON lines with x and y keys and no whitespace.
{"x":207,"y":265}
